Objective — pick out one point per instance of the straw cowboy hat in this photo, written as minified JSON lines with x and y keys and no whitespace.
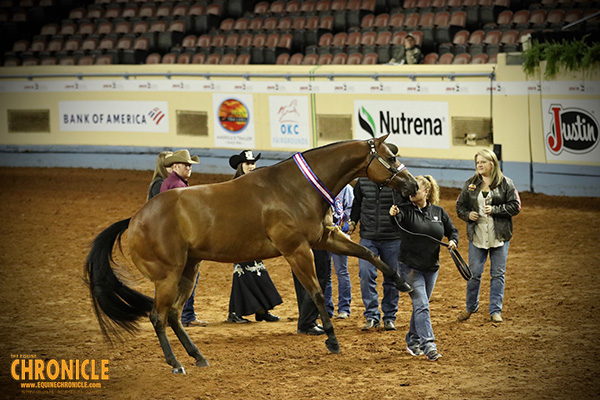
{"x":181,"y":156}
{"x":244,"y":156}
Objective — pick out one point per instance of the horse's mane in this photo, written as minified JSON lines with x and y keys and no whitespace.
{"x":314,"y":149}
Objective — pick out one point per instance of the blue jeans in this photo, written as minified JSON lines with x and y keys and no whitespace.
{"x":344,"y":287}
{"x":387,"y":250}
{"x":477,"y":258}
{"x":188,"y":314}
{"x":420,"y":333}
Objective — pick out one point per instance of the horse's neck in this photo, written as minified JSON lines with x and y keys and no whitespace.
{"x":337,"y":165}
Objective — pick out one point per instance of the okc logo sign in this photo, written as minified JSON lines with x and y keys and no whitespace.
{"x":573,"y":130}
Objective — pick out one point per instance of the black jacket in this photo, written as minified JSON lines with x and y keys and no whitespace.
{"x":371,"y":207}
{"x":506,"y":203}
{"x":419,"y":252}
{"x":155,"y":187}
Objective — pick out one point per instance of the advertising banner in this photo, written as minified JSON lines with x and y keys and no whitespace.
{"x":234,"y":123}
{"x":420,"y":124}
{"x":571,"y":130}
{"x":290,"y":122}
{"x":114,"y":116}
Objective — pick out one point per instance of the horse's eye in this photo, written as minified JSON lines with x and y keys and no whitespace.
{"x":392,"y":160}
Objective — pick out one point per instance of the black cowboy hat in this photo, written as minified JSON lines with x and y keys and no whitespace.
{"x":244,"y":156}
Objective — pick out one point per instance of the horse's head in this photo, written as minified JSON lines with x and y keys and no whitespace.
{"x":385,"y":169}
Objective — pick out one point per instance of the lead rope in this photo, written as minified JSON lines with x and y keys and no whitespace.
{"x":415,"y":233}
{"x":460,"y":263}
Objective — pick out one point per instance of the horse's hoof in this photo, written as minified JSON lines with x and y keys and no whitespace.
{"x":202,"y":363}
{"x":178,"y":370}
{"x":333,"y":346}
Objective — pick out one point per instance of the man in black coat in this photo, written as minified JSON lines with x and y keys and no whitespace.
{"x":307,"y":310}
{"x":371,"y":208}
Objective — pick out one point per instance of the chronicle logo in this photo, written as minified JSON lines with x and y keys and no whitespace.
{"x":573,"y":130}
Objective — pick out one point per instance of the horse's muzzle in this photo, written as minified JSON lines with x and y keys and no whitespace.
{"x":410,"y":186}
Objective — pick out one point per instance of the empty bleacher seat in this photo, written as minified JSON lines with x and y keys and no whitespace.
{"x":479,"y":59}
{"x":339,"y":59}
{"x":446,"y":58}
{"x":310,"y":59}
{"x":283,"y":59}
{"x":463,"y":58}
{"x":431,"y":58}
{"x":325,"y":59}
{"x":369,"y":59}
{"x":296,"y":59}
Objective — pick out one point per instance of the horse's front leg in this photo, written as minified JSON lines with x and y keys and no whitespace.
{"x":338,"y":243}
{"x":294,"y":246}
{"x":302,"y":263}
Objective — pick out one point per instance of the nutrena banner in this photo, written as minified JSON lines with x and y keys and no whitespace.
{"x":421,"y":124}
{"x":114,"y":116}
{"x":571,"y":130}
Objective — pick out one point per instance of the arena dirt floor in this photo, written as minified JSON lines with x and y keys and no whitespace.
{"x":546,"y":348}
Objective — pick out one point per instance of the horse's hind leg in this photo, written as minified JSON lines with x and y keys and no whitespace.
{"x":186,"y":285}
{"x":166,"y":291}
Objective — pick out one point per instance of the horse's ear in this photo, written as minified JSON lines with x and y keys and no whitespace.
{"x":381,"y":139}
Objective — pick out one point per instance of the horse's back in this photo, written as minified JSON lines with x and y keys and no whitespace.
{"x":205,"y":221}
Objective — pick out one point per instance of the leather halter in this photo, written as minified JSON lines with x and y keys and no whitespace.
{"x":394,"y":171}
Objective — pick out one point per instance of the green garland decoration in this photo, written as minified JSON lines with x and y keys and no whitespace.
{"x":574,"y":55}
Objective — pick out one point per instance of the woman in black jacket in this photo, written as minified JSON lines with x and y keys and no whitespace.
{"x":160,"y":174}
{"x":419,"y":258}
{"x":487,"y":203}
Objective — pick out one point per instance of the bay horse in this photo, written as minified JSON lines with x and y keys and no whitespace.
{"x":273,"y":211}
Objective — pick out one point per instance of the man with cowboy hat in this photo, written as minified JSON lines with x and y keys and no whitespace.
{"x":181,"y":165}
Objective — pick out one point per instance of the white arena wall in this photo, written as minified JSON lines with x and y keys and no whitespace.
{"x":121,"y":116}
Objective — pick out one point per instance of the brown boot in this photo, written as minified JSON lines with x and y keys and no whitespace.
{"x":464,"y":315}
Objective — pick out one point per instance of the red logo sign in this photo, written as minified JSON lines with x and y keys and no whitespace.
{"x":573,"y":130}
{"x":233,"y":115}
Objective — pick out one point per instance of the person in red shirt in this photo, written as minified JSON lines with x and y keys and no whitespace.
{"x":181,"y":166}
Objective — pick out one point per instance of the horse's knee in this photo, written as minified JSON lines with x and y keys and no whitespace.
{"x":319,"y":298}
{"x":157,"y":322}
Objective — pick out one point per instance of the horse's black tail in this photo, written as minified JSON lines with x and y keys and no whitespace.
{"x":111,"y":298}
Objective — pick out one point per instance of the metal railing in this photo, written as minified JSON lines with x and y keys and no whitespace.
{"x":247,"y":76}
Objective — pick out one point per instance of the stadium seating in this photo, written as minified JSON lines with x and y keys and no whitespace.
{"x":119,"y":31}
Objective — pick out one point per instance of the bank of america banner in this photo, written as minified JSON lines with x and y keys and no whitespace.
{"x":290,"y":121}
{"x":571,"y":129}
{"x":114,"y":116}
{"x":420,"y":124}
